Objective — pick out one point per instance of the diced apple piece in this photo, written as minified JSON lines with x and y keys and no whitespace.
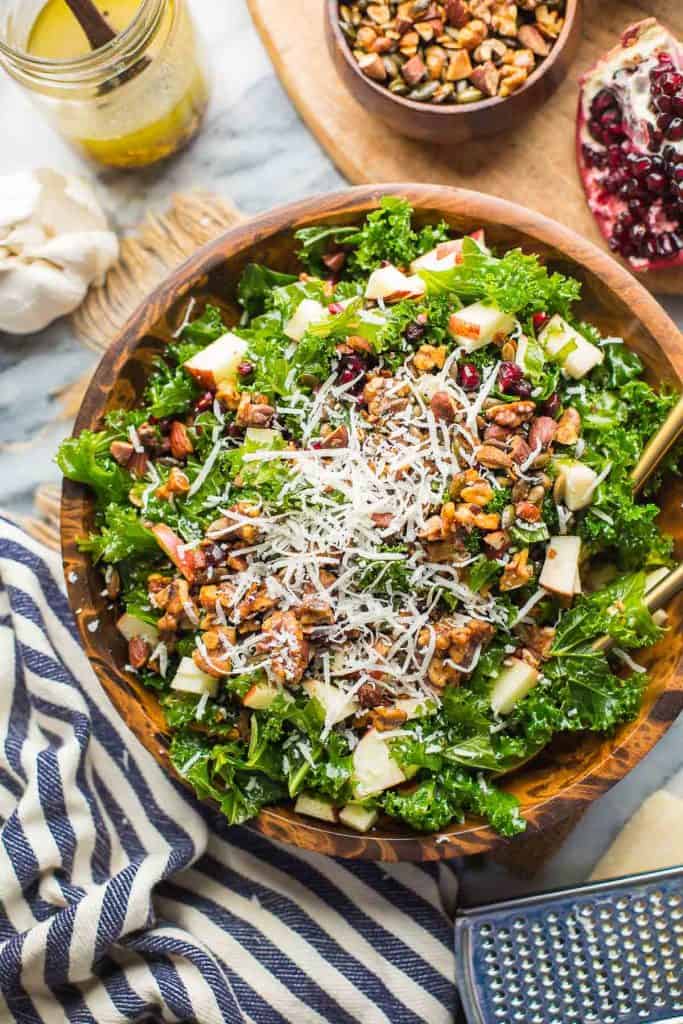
{"x":373,"y":766}
{"x":218,"y":362}
{"x":335,"y":702}
{"x":512,"y":684}
{"x":579,"y":485}
{"x":262,"y":695}
{"x":262,"y":436}
{"x":447,"y":254}
{"x":316,"y":807}
{"x":477,"y":325}
{"x":190,"y":679}
{"x":583,"y":356}
{"x":130,"y":627}
{"x":390,"y":284}
{"x":357,"y":817}
{"x":561,"y":566}
{"x":176,"y":549}
{"x":308,"y":312}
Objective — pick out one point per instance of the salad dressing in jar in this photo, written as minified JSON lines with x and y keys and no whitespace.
{"x":130,"y":102}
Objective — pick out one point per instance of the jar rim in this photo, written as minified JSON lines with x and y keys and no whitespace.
{"x":122,"y":51}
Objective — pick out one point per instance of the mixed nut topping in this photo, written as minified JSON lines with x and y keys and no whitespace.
{"x":456,"y":51}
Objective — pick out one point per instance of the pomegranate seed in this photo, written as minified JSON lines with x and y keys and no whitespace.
{"x":675,"y":130}
{"x":509,"y":375}
{"x":671,"y":82}
{"x":539,"y":321}
{"x":656,"y":182}
{"x":615,"y":156}
{"x":523,"y":389}
{"x":205,"y":402}
{"x":678,"y":173}
{"x":316,"y":445}
{"x":602,"y":101}
{"x":677,"y":105}
{"x":235,"y":430}
{"x":663,"y":104}
{"x":468,"y":377}
{"x":663,"y":121}
{"x":551,"y":406}
{"x":640,"y":165}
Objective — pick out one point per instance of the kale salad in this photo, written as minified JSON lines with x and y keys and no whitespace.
{"x":362,"y":541}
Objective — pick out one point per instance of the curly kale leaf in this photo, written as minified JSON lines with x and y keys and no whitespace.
{"x":388,"y":234}
{"x":618,"y":610}
{"x":515,"y":283}
{"x":450,"y":795}
{"x":87,"y":460}
{"x":122,"y":535}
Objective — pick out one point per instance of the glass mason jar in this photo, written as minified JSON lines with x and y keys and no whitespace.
{"x":135,"y":100}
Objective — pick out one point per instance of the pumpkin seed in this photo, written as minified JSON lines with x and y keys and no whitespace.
{"x":398,"y":87}
{"x":469,"y":95}
{"x":423,"y":92}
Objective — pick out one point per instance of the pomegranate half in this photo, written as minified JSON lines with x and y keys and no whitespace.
{"x":630,"y":146}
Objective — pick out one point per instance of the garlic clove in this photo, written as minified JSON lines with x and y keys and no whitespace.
{"x":33,"y":295}
{"x":88,"y":254}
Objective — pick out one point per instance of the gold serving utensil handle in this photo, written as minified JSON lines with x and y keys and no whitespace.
{"x":655,"y":599}
{"x":664,"y":439}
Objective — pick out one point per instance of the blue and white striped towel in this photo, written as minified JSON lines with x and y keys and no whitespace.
{"x":123,"y":899}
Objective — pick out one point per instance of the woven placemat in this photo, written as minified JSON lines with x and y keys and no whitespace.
{"x":161,"y":243}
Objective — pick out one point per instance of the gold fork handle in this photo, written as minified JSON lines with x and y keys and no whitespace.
{"x":664,"y":439}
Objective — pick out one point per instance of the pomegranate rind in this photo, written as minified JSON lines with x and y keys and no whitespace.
{"x":638,"y":45}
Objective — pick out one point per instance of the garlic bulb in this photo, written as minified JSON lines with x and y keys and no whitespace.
{"x":54,"y":243}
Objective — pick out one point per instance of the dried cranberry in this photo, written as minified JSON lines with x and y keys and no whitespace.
{"x":468,"y":377}
{"x":523,"y":389}
{"x":235,"y":430}
{"x":245,"y":369}
{"x":509,"y":376}
{"x":414,"y":331}
{"x":316,"y":445}
{"x":540,"y":320}
{"x":205,"y":402}
{"x":551,"y":406}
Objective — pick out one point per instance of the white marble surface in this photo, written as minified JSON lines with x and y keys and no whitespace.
{"x":254,"y":149}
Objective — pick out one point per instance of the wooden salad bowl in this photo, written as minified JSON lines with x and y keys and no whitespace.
{"x":574,"y":770}
{"x":451,"y":123}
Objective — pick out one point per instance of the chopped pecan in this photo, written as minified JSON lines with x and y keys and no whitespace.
{"x":122,"y":452}
{"x":462,"y":480}
{"x":256,"y":601}
{"x":314,"y":611}
{"x":176,"y":483}
{"x":539,"y":640}
{"x":138,"y":652}
{"x":432,"y":530}
{"x":228,"y":395}
{"x":382,"y":520}
{"x":569,"y":427}
{"x":511,"y":414}
{"x":479,"y":493}
{"x":254,"y":411}
{"x":517,"y":572}
{"x":499,"y":541}
{"x":443,"y":407}
{"x":386,"y":718}
{"x":181,"y":446}
{"x":339,"y":438}
{"x":137,"y":464}
{"x":542,"y":431}
{"x":371,"y":695}
{"x":492,"y":458}
{"x":429,"y":357}
{"x":511,"y":79}
{"x":213,"y":657}
{"x":284,"y":642}
{"x":213,"y":594}
{"x":384,"y":395}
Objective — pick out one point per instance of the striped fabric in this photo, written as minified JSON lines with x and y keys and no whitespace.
{"x":122,"y":899}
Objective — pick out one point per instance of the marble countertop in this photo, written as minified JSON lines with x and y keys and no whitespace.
{"x":254,"y":149}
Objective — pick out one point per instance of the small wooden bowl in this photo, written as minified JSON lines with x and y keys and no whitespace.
{"x":451,"y":123}
{"x":574,"y":770}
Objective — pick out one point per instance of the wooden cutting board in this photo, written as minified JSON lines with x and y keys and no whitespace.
{"x":535,"y":167}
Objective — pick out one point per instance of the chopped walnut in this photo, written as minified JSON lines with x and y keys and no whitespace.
{"x":511,"y":79}
{"x":455,"y":645}
{"x":338,"y":438}
{"x":479,"y":493}
{"x":517,"y":573}
{"x":539,"y":640}
{"x":387,"y":718}
{"x":511,"y":414}
{"x":287,"y":648}
{"x":371,"y":695}
{"x":217,"y":643}
{"x":429,"y":357}
{"x":384,"y":395}
{"x":462,"y":480}
{"x":314,"y":611}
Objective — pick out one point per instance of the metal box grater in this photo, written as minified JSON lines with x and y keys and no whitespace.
{"x":604,"y":953}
